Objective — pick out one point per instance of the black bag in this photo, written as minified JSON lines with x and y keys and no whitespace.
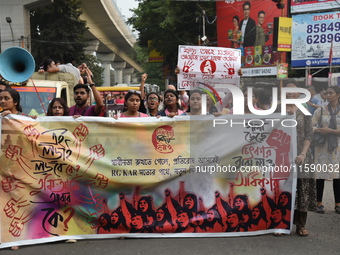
{"x":317,"y":137}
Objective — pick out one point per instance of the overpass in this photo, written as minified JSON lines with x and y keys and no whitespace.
{"x":110,"y":38}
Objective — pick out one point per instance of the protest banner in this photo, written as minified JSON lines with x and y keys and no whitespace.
{"x":207,"y":67}
{"x":188,"y":176}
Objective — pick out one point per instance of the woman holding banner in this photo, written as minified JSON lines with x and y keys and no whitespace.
{"x":328,"y":153}
{"x":305,"y":189}
{"x":132,"y":103}
{"x":10,"y":102}
{"x":58,"y":107}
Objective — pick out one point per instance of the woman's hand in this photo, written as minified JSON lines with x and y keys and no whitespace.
{"x":144,"y":77}
{"x":324,"y":130}
{"x":172,"y":114}
{"x":5,"y":113}
{"x":177,"y":70}
{"x":300,"y":159}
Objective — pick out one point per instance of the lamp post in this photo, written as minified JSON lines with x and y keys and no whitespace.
{"x":9,"y":21}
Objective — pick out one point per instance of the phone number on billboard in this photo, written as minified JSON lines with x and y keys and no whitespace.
{"x":323,"y":38}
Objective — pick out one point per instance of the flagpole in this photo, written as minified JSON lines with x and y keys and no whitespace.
{"x":330,"y":60}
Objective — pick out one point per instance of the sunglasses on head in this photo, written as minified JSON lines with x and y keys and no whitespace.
{"x":135,"y":91}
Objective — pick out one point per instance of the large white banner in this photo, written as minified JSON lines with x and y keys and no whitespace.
{"x":189,"y":176}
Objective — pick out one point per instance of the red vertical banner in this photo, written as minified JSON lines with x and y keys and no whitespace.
{"x":309,"y":80}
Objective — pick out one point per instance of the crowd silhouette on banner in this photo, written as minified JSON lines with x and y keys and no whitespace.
{"x":186,"y":213}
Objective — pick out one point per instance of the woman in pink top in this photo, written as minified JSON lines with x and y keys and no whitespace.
{"x":132,"y":103}
{"x":120,"y":99}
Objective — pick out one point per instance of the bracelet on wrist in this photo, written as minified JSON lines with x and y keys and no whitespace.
{"x":91,"y":85}
{"x":303,"y":154}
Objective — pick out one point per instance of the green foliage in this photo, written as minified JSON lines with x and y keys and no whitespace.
{"x":169,"y":24}
{"x":154,"y":70}
{"x":56,"y":29}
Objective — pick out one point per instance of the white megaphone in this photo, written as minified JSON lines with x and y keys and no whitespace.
{"x":16,"y":64}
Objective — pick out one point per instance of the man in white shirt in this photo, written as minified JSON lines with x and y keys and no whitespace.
{"x":68,"y":67}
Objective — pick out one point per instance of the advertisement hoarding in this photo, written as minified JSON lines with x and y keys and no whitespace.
{"x":284,"y":34}
{"x":297,"y":6}
{"x":313,"y":37}
{"x":254,"y":37}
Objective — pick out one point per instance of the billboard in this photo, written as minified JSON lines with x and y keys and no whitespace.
{"x":284,"y":31}
{"x":248,"y":25}
{"x":297,"y":6}
{"x":313,"y":37}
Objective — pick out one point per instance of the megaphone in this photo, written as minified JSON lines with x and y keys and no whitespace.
{"x":16,"y":64}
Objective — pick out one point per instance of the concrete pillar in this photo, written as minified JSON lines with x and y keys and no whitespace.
{"x":134,"y":78}
{"x":106,"y":59}
{"x":127,"y":72}
{"x":17,"y":32}
{"x":92,"y":47}
{"x":118,"y":76}
{"x":118,"y":67}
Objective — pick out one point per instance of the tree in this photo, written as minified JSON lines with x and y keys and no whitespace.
{"x":155,"y":76}
{"x":56,"y":29}
{"x":169,"y":24}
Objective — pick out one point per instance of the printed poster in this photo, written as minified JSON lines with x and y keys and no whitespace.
{"x":249,"y":26}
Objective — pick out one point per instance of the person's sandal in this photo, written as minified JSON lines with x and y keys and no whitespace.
{"x":301,"y":231}
{"x":321,"y":209}
{"x":71,"y":241}
{"x":337,"y":209}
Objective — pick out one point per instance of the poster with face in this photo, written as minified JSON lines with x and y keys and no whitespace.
{"x":246,"y":23}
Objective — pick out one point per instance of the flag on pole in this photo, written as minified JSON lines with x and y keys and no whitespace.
{"x":330,"y":54}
